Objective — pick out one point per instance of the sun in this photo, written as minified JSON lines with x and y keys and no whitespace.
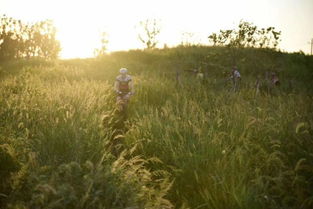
{"x":80,"y":25}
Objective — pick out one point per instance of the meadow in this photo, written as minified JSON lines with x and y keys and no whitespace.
{"x":188,"y":144}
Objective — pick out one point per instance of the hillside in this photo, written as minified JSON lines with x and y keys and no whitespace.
{"x":185,"y":143}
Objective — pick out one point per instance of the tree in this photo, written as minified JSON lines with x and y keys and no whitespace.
{"x":9,"y":37}
{"x":98,"y":52}
{"x":45,"y":40}
{"x":150,"y":29}
{"x":247,"y":35}
{"x":18,"y":40}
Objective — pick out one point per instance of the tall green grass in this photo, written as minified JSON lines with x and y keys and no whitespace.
{"x":51,"y":125}
{"x":229,"y":150}
{"x":183,"y":145}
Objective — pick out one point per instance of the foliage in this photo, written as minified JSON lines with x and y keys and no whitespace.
{"x":8,"y":165}
{"x":150,"y":29}
{"x":188,"y":145}
{"x":103,"y":45}
{"x":247,"y":35}
{"x":120,"y":183}
{"x":19,"y":40}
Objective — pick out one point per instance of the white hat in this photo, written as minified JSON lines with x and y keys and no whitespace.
{"x":123,"y":70}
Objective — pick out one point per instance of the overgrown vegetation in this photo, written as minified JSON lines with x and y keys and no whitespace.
{"x":247,"y":35}
{"x":149,"y":32}
{"x":25,"y":40}
{"x":184,"y":145}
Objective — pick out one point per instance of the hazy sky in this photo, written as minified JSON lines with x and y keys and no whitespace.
{"x":80,"y":22}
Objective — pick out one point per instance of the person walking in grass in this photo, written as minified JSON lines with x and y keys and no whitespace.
{"x":123,"y":87}
{"x":236,"y":78}
{"x":200,"y":74}
{"x":274,"y":79}
{"x":274,"y":83}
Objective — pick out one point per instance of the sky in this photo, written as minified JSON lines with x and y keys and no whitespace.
{"x":79,"y":23}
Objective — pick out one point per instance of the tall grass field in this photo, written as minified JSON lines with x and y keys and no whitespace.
{"x":185,"y":143}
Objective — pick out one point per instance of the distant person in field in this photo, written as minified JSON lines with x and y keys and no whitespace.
{"x":123,"y":87}
{"x":274,"y":79}
{"x":236,"y":78}
{"x":200,"y":74}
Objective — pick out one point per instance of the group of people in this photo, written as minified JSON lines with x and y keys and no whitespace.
{"x":124,"y":87}
{"x":271,"y":80}
{"x":268,"y":84}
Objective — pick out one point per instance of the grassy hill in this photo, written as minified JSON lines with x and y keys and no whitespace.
{"x":185,"y":143}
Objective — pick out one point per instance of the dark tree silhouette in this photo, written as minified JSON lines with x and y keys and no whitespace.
{"x":247,"y":35}
{"x":21,"y":40}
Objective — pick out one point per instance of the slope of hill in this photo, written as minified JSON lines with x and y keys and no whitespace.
{"x":186,"y":143}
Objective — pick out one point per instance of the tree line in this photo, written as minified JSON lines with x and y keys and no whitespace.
{"x":25,"y":40}
{"x":246,"y":35}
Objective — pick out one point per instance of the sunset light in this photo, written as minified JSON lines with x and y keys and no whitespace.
{"x":156,"y":104}
{"x":79,"y":22}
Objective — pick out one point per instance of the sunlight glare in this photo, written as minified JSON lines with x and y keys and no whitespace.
{"x":80,"y":23}
{"x":79,"y":29}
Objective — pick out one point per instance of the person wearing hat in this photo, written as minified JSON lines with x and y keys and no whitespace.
{"x":123,"y":86}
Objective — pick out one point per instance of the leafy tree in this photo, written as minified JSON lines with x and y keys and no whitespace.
{"x":45,"y":40}
{"x":150,"y":29}
{"x":18,"y":40}
{"x":247,"y":35}
{"x":9,"y":37}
